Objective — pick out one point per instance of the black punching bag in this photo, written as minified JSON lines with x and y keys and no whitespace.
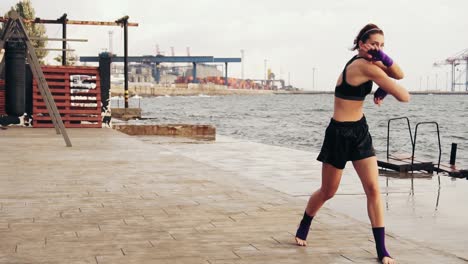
{"x":29,"y":91}
{"x":15,"y":81}
{"x":105,"y":75}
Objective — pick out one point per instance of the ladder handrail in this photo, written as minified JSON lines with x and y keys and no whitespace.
{"x":388,"y":133}
{"x":438,"y":138}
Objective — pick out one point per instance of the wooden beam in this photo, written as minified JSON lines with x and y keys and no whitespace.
{"x":59,"y":39}
{"x":72,"y":22}
{"x":55,"y":49}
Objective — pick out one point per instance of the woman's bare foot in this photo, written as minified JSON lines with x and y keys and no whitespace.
{"x":303,"y":230}
{"x":301,"y":242}
{"x":388,"y":260}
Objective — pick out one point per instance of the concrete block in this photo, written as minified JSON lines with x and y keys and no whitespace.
{"x":199,"y":132}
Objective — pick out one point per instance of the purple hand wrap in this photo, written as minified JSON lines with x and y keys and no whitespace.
{"x":380,"y":93}
{"x":379,"y":55}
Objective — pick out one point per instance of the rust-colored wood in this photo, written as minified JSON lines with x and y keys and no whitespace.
{"x":78,"y":106}
{"x":402,"y":163}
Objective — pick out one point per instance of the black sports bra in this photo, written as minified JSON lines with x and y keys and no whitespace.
{"x":350,"y":92}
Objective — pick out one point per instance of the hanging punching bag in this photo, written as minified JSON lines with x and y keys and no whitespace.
{"x":105,"y":75}
{"x":29,"y":91}
{"x":15,"y":82}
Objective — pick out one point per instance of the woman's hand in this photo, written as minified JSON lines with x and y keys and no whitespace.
{"x":379,"y":55}
{"x":376,"y":54}
{"x":379,"y":95}
{"x":378,"y":101}
{"x":366,"y":47}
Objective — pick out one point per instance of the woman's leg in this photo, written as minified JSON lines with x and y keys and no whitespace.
{"x":368,"y":172}
{"x":331,"y":178}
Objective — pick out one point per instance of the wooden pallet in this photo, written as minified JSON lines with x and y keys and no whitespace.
{"x":2,"y":97}
{"x":402,"y":163}
{"x":79,"y":104}
{"x":453,"y":171}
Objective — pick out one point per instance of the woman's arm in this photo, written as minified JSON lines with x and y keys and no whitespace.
{"x":377,"y":75}
{"x":393,"y":71}
{"x":383,"y":61}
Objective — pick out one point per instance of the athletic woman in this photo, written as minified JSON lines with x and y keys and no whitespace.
{"x":347,"y":137}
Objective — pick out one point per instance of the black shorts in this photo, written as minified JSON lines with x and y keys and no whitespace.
{"x":346,"y":141}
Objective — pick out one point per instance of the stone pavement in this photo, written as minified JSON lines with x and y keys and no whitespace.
{"x":427,"y":208}
{"x":114,"y":198}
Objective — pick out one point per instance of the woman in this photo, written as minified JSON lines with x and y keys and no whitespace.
{"x":347,"y":137}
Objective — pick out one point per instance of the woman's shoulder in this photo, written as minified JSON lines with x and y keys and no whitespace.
{"x":369,"y":68}
{"x":363,"y":61}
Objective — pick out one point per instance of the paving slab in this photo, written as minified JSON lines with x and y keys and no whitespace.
{"x":114,"y":198}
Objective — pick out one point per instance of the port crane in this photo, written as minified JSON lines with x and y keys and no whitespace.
{"x":459,"y":64}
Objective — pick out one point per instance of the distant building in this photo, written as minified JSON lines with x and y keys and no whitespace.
{"x":205,"y":70}
{"x":140,"y":73}
{"x":144,"y":73}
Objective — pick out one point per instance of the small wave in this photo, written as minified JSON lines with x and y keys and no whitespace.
{"x":459,"y":137}
{"x":301,"y":123}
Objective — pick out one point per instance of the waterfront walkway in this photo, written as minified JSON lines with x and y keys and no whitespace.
{"x":113,"y":198}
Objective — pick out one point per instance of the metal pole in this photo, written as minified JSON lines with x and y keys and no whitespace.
{"x":158,"y":72}
{"x":64,"y":36}
{"x":194,"y":72}
{"x":124,"y":23}
{"x":111,"y":44}
{"x":466,"y":82}
{"x":242,"y":64}
{"x":446,"y":81}
{"x":453,"y":154}
{"x":313,"y":78}
{"x":316,"y":77}
{"x":420,"y":83}
{"x":265,"y":71}
{"x":453,"y":76}
{"x":126,"y":60}
{"x":427,"y":83}
{"x":226,"y":74}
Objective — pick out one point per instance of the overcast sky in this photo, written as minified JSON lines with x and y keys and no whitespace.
{"x":293,"y":36}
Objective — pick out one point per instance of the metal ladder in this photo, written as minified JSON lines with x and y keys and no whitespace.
{"x":413,"y":140}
